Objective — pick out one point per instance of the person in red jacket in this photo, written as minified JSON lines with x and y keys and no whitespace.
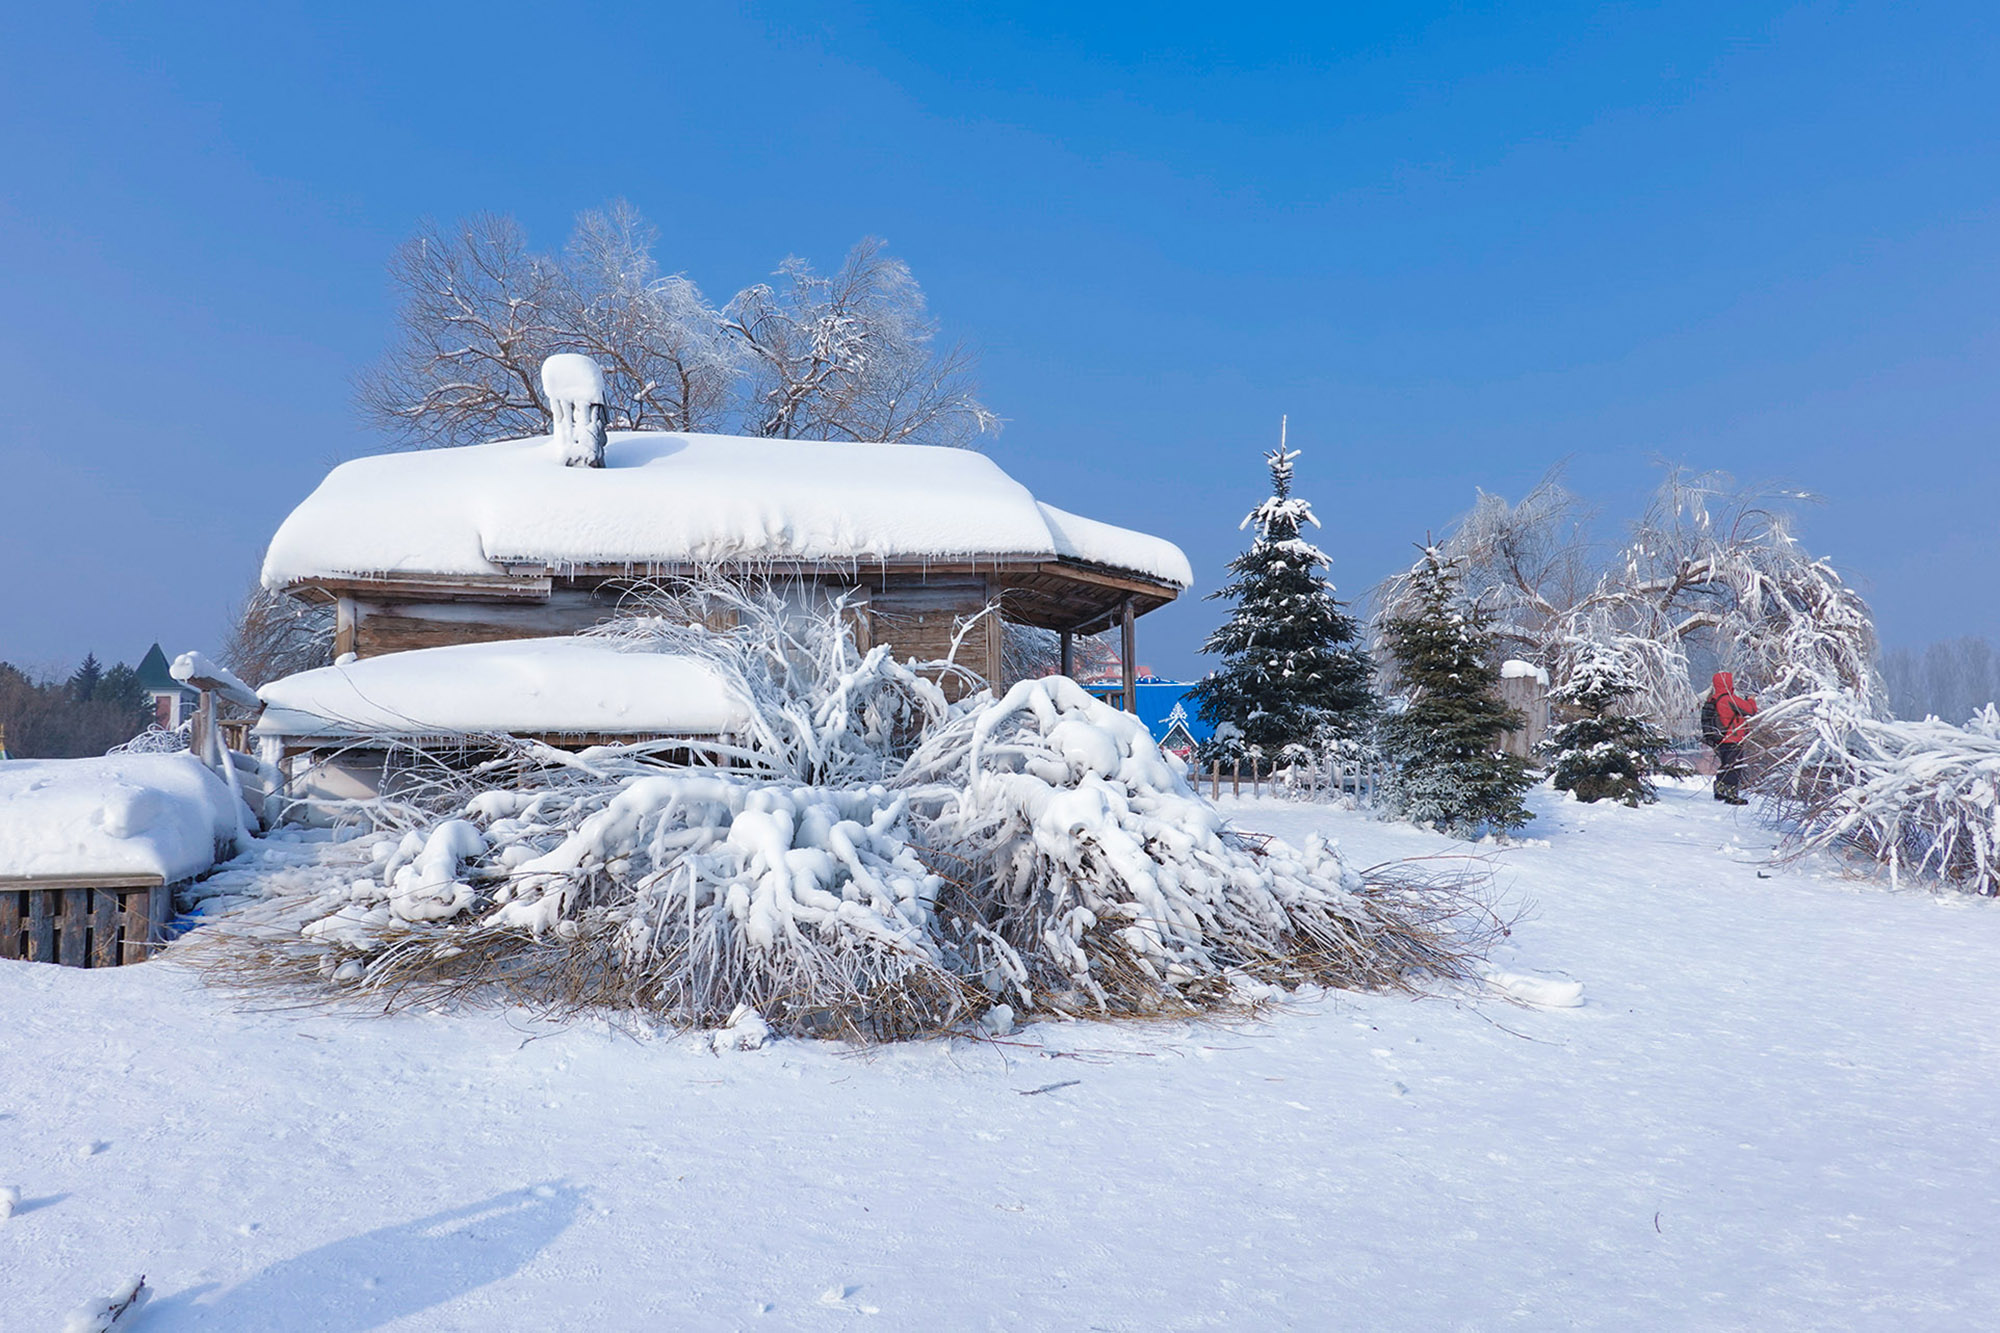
{"x":1725,"y":724}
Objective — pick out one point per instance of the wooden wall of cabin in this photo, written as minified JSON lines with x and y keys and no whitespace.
{"x":920,"y":620}
{"x":397,"y":627}
{"x":917,"y":619}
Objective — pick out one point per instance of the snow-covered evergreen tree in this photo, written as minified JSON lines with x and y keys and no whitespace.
{"x":1294,"y":677}
{"x":1446,"y":767}
{"x":1600,"y":753}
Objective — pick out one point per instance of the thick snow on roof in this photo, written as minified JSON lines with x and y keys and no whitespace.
{"x":124,"y":814}
{"x":670,"y":498}
{"x":526,"y":686}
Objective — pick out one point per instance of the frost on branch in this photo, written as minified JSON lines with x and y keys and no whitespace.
{"x":872,"y":862}
{"x":1919,"y":798}
{"x":1709,"y":571}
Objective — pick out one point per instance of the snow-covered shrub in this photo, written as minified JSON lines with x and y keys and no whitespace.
{"x":875,"y":863}
{"x":1443,"y":746}
{"x":1604,"y":750}
{"x":1918,"y":797}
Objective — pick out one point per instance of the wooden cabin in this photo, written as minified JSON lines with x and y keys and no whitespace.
{"x":503,"y":541}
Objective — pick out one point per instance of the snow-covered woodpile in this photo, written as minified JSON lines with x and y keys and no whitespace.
{"x":1921,"y":798}
{"x":879,"y":861}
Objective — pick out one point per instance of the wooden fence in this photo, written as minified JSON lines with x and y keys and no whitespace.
{"x":1328,"y":781}
{"x":83,"y":921}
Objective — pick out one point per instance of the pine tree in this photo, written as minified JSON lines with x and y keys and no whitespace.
{"x":1599,"y":754}
{"x":1446,"y":767}
{"x":83,"y":684}
{"x":1294,"y":678}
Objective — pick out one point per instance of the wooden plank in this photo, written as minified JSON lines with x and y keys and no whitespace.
{"x":135,"y":880}
{"x":13,"y":911}
{"x":159,"y":913}
{"x":133,"y":923}
{"x":73,"y":932}
{"x":104,"y":928}
{"x":43,"y":904}
{"x":431,"y":587}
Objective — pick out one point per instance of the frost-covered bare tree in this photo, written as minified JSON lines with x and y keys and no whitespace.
{"x":480,"y":311}
{"x":1710,"y":571}
{"x":668,"y":362}
{"x":278,"y":635}
{"x":853,"y":355}
{"x":849,"y":356}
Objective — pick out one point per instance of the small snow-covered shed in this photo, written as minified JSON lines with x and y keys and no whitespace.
{"x":503,"y":541}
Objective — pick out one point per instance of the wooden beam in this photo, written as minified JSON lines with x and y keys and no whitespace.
{"x":1128,"y":649}
{"x":343,"y":626}
{"x":1069,"y":654}
{"x":15,"y":883}
{"x":431,"y":587}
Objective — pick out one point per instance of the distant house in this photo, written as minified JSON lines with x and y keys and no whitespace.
{"x":173,"y":703}
{"x":424,"y":554}
{"x":1164,"y":707}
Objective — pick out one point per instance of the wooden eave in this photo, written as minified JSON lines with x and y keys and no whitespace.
{"x":1059,"y":594}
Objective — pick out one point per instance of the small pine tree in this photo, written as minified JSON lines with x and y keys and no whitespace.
{"x":1294,"y":677}
{"x":1443,"y":749}
{"x":1600,"y":754}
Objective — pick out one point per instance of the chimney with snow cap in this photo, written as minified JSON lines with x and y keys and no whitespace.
{"x":578,"y":404}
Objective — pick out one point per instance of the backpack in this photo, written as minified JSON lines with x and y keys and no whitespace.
{"x":1711,"y":723}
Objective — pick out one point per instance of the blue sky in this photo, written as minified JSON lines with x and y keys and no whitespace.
{"x":1456,"y":244}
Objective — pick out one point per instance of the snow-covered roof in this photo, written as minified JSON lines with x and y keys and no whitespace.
{"x":576,"y":686}
{"x":123,"y":814}
{"x":668,"y":499}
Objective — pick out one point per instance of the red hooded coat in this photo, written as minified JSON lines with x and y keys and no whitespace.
{"x":1732,"y":710}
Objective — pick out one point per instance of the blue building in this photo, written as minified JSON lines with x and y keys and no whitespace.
{"x":1164,"y":707}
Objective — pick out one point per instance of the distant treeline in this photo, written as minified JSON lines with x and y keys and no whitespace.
{"x":1950,"y":680}
{"x":95,"y":709}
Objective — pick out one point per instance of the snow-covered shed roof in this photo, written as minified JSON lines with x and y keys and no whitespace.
{"x":122,"y":814}
{"x":664,"y":499}
{"x":561,"y":686}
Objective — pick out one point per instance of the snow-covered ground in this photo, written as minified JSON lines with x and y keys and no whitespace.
{"x":1775,"y":1108}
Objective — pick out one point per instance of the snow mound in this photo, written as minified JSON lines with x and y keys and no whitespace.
{"x":127,"y":814}
{"x":664,"y":498}
{"x":1541,"y":991}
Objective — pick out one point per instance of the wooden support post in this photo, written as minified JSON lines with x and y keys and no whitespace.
{"x":1214,"y":779}
{"x":1069,"y":654}
{"x":1236,"y":778}
{"x":1128,"y":648}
